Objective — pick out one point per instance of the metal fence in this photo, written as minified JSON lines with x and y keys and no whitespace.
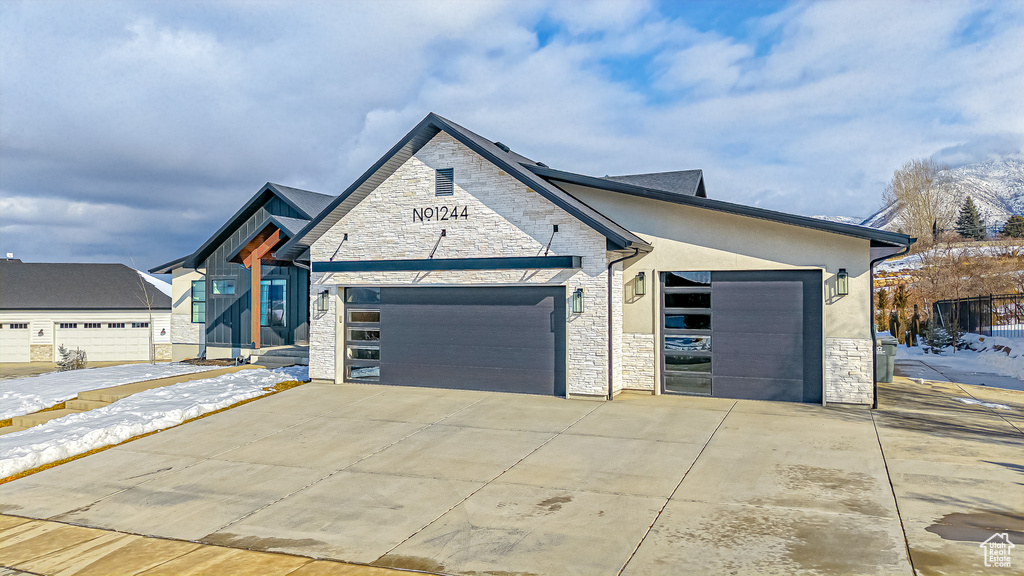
{"x":992,"y":315}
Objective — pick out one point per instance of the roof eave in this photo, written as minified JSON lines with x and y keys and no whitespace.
{"x":892,"y":238}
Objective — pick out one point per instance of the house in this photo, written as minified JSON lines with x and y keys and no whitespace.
{"x":455,"y":262}
{"x":214,"y":313}
{"x":108,"y":310}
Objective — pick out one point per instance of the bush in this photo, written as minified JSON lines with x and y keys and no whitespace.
{"x":71,"y":359}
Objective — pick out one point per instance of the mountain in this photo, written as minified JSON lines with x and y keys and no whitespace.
{"x":996,"y":186}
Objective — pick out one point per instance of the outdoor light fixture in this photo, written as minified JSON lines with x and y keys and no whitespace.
{"x":577,"y":301}
{"x":641,"y":284}
{"x":321,"y":301}
{"x":163,"y":331}
{"x":842,"y":282}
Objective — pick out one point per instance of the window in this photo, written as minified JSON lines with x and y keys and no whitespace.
{"x":69,"y":325}
{"x":199,"y":301}
{"x":686,"y":332}
{"x":362,"y":334}
{"x":140,"y":324}
{"x":444,"y":182}
{"x":91,"y":325}
{"x":223,"y":287}
{"x":273,"y":297}
{"x":115,"y":324}
{"x":21,"y":326}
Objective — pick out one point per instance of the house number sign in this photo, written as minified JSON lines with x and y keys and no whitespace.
{"x":440,"y":213}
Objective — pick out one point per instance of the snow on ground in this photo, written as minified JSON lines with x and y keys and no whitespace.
{"x":982,"y":358}
{"x":137,"y":414}
{"x":26,"y":395}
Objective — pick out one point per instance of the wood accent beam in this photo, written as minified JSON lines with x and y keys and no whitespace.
{"x":253,"y":262}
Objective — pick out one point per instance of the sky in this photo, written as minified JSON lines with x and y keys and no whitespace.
{"x":131,"y":131}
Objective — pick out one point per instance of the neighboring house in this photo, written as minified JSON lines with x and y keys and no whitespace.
{"x":213,"y":310}
{"x":454,"y":262}
{"x":107,"y":310}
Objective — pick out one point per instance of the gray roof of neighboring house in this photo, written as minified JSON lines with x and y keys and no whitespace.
{"x":689,"y":182}
{"x":44,"y":286}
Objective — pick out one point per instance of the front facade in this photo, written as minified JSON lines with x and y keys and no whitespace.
{"x":455,"y":262}
{"x":231,"y":297}
{"x":107,"y":310}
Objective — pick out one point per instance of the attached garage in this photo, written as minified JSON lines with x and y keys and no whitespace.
{"x":503,"y":339}
{"x":104,"y":341}
{"x":743,"y":334}
{"x":14,"y":342}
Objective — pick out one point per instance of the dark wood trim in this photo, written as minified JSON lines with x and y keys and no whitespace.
{"x":512,"y":263}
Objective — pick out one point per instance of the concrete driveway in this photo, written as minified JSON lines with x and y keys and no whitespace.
{"x":471,"y":482}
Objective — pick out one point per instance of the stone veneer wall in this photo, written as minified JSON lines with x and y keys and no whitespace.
{"x":848,"y":370}
{"x":41,"y":353}
{"x":184,"y":331}
{"x":505,"y":218}
{"x":638,"y":358}
{"x":163,"y":351}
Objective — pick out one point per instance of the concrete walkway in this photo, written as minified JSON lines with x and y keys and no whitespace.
{"x":40,"y":547}
{"x":460,"y":482}
{"x":100,"y":397}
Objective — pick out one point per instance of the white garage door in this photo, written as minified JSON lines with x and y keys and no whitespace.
{"x":104,"y":342}
{"x":14,"y":343}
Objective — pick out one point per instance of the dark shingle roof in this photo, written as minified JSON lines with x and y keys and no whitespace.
{"x":689,"y":182}
{"x":39,"y":286}
{"x":312,"y":203}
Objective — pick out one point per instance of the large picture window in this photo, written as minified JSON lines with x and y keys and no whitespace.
{"x":199,"y":301}
{"x":273,"y":297}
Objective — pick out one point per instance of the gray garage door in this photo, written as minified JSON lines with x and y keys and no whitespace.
{"x":753,"y":335}
{"x":506,"y":339}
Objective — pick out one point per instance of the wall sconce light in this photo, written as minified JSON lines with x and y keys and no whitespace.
{"x":40,"y":331}
{"x":842,"y":282}
{"x":640,"y":284}
{"x":163,"y":331}
{"x":321,"y":301}
{"x":577,"y":301}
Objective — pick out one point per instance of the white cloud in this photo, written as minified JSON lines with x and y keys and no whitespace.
{"x":164,"y":118}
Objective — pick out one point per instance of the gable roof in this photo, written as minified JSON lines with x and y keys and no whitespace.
{"x":877,"y":237}
{"x":511,"y":163}
{"x":690,"y":182}
{"x":307,"y":204}
{"x":168,"y":267}
{"x":44,"y":286}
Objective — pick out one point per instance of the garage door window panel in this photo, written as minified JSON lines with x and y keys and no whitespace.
{"x":687,"y":317}
{"x":362,"y":334}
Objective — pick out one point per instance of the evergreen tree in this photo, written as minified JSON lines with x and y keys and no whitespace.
{"x":882,"y":315}
{"x":1014,"y":227}
{"x":969,"y":224}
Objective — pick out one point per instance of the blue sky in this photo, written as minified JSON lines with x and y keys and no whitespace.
{"x":140,"y":127}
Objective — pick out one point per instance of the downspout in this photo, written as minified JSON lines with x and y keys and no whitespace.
{"x":874,"y":336}
{"x":636,"y":251}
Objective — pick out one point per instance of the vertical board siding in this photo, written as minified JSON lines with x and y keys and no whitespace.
{"x":228,"y":317}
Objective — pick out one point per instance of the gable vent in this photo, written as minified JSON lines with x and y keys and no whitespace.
{"x":444,"y":182}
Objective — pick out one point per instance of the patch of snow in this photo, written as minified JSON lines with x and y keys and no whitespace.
{"x":985,"y":404}
{"x":159,"y":284}
{"x":841,"y":219}
{"x":982,"y":357}
{"x":137,"y":414}
{"x":21,"y":396}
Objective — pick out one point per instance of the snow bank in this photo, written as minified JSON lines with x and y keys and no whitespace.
{"x":985,"y":404}
{"x":991,"y":354}
{"x":137,"y":414}
{"x":26,"y":395}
